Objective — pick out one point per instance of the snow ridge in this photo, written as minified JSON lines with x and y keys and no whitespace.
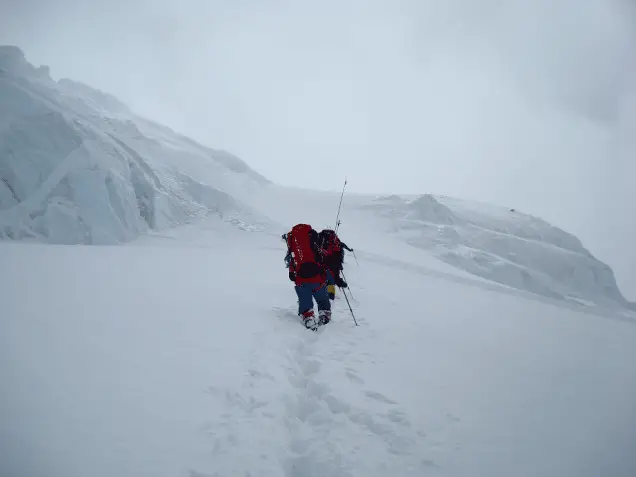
{"x":502,"y":245}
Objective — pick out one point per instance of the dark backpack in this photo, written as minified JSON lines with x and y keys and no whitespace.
{"x":302,"y":243}
{"x":329,"y":242}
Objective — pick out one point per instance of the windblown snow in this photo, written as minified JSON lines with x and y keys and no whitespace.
{"x":490,"y":343}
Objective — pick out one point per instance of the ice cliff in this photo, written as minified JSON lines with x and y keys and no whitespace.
{"x":77,"y":166}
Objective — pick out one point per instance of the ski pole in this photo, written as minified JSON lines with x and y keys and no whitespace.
{"x":340,"y":205}
{"x":350,"y":309}
{"x":354,"y":256}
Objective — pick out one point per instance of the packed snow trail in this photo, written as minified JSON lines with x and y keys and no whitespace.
{"x":182,"y":355}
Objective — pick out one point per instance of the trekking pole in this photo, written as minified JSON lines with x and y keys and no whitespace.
{"x":350,"y":309}
{"x":354,"y":256}
{"x":340,"y":205}
{"x":345,"y":279}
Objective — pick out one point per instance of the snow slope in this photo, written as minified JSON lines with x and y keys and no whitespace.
{"x":76,"y":166}
{"x":457,"y":239}
{"x":179,"y":354}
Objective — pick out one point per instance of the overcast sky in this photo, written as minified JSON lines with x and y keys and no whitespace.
{"x":525,"y":103}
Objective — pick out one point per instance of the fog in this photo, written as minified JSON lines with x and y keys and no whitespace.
{"x":527,"y":104}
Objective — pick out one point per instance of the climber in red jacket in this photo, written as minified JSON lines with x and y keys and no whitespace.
{"x":307,"y":271}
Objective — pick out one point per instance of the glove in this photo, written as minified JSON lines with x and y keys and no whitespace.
{"x":341,"y":283}
{"x":292,"y":276}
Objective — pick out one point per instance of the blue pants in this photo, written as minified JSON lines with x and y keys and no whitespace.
{"x":307,"y":291}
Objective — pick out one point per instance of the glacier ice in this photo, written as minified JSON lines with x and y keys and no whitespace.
{"x":77,"y":166}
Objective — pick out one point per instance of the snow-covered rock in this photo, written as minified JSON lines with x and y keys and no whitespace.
{"x":77,"y":166}
{"x":502,"y":245}
{"x":12,"y":60}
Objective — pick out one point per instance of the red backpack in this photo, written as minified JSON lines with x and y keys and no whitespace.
{"x":302,"y":242}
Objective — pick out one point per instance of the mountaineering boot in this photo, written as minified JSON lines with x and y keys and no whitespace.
{"x":331,"y":291}
{"x":324,"y":316}
{"x":309,"y":320}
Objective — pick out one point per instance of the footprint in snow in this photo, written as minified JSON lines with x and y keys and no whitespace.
{"x":451,"y":417}
{"x":286,"y":314}
{"x":353,"y":377}
{"x":309,"y":367}
{"x":379,"y":397}
{"x":195,"y":473}
{"x":398,"y":417}
{"x":336,"y":406}
{"x":255,"y":373}
{"x":429,"y":463}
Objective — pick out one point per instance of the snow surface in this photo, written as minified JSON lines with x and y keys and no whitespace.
{"x":180,"y":354}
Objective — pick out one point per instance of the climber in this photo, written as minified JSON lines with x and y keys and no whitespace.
{"x":332,"y":249}
{"x":308,"y":273}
